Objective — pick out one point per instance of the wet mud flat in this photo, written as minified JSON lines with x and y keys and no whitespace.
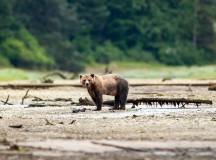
{"x":146,"y":131}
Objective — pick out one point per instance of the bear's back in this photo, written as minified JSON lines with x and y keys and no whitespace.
{"x":109,"y":83}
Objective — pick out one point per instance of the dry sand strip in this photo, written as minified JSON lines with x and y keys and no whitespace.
{"x":160,"y":149}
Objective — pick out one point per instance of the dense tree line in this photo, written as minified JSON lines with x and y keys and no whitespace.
{"x":69,"y":34}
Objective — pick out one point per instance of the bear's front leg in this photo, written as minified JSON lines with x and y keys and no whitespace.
{"x":98,"y":101}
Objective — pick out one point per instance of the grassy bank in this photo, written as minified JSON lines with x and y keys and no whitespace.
{"x":9,"y":74}
{"x":126,"y":69}
{"x":153,"y":71}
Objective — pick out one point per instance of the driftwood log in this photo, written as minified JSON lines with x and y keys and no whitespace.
{"x":61,"y":75}
{"x":52,"y":85}
{"x":212,"y":88}
{"x":177,"y":102}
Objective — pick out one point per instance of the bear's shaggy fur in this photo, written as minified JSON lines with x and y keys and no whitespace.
{"x":109,"y":84}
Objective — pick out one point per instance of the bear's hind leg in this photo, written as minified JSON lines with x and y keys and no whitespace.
{"x":123,"y":100}
{"x":117,"y":102}
{"x":123,"y":92}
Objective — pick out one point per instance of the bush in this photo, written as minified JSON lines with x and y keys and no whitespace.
{"x":23,"y":50}
{"x":169,"y":55}
{"x":181,"y":54}
{"x":4,"y":62}
{"x":84,"y":45}
{"x":107,"y":53}
{"x":191,"y":55}
{"x":138,"y":54}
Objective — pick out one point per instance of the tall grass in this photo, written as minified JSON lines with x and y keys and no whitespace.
{"x":126,"y":69}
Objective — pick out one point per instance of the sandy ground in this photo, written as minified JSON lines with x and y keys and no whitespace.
{"x":150,"y":132}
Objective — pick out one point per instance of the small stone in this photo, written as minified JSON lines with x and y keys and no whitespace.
{"x":72,"y":122}
{"x":14,"y":147}
{"x":75,"y":110}
{"x":83,"y":110}
{"x":134,"y":116}
{"x":213,"y":119}
{"x":16,"y":126}
{"x":133,"y":106}
{"x":48,"y":122}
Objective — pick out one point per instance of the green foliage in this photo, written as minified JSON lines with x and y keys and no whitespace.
{"x":107,"y":52}
{"x":70,"y":34}
{"x":140,"y":55}
{"x":4,"y":62}
{"x":180,"y":54}
{"x":24,"y":50}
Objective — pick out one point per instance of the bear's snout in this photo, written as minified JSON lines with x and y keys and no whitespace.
{"x":87,"y":83}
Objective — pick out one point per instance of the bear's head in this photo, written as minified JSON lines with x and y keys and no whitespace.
{"x":87,"y":80}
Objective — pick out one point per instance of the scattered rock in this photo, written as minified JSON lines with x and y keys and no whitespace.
{"x":134,"y":116}
{"x":48,"y":122}
{"x":213,"y":119}
{"x":16,"y":126}
{"x":61,"y":122}
{"x":133,"y":106}
{"x":47,"y":81}
{"x":111,"y":110}
{"x":83,"y":110}
{"x":72,"y":122}
{"x":4,"y":141}
{"x":85,"y":102}
{"x":75,"y":110}
{"x":14,"y":147}
{"x":78,"y":110}
{"x":152,"y":116}
{"x":166,"y":79}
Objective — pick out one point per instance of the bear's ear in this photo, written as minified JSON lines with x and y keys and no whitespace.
{"x":92,"y":75}
{"x":80,"y":76}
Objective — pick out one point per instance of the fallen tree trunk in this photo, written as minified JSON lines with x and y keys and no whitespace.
{"x":178,"y":102}
{"x":52,"y":85}
{"x":37,"y":86}
{"x":172,"y":84}
{"x":212,"y":88}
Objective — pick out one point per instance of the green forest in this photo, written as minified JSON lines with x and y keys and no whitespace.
{"x":70,"y":34}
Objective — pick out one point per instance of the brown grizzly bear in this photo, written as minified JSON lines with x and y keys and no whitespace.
{"x":110,"y":84}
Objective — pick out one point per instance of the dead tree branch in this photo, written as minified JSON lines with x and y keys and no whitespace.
{"x":25,"y":96}
{"x":85,"y":101}
{"x":59,"y":74}
{"x":6,"y":101}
